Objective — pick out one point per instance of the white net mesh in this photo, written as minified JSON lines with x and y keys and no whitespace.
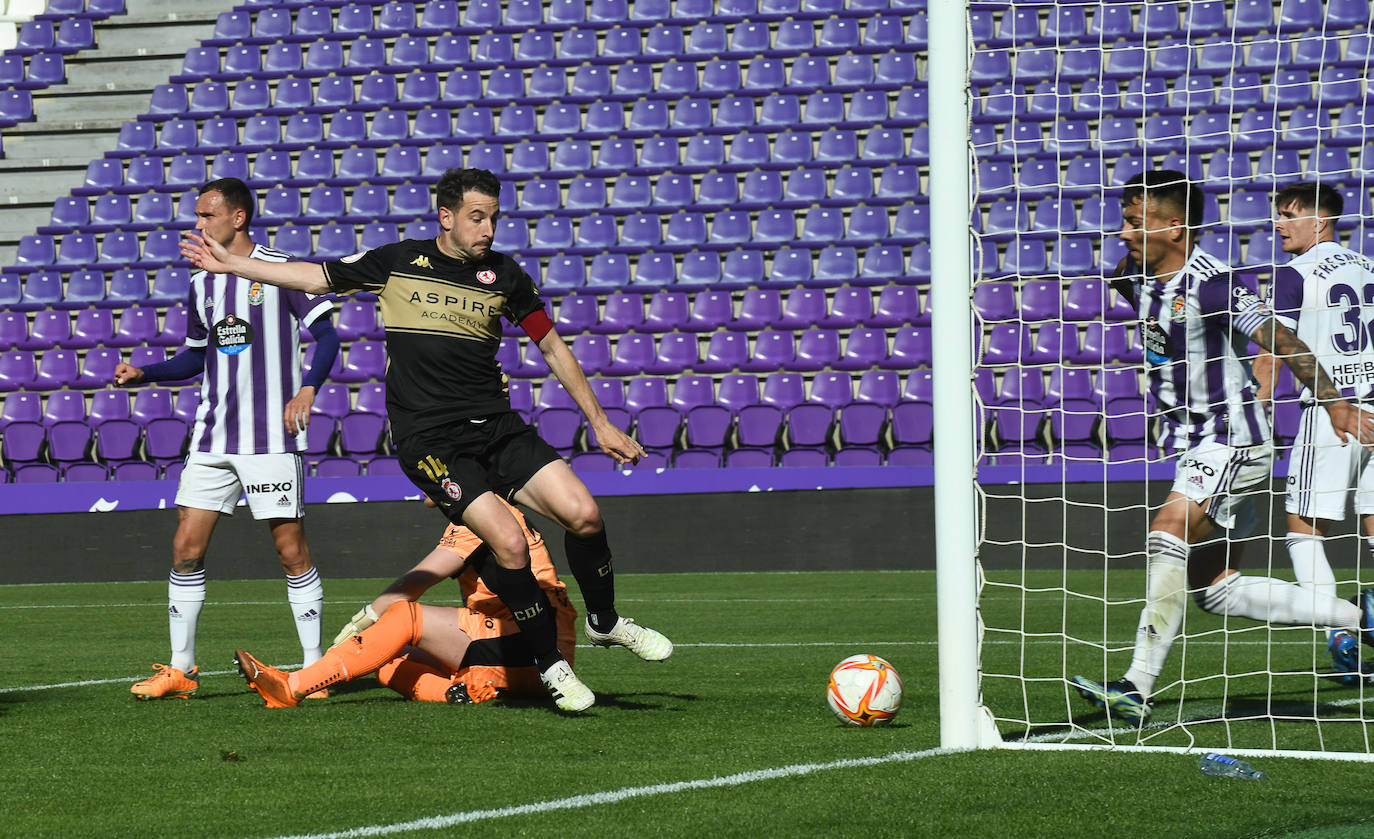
{"x":1069,"y":101}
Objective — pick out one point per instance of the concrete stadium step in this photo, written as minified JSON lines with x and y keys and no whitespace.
{"x":80,"y":120}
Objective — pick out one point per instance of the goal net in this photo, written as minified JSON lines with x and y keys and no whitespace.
{"x":1066,"y":102}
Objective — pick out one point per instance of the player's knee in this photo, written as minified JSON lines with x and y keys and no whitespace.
{"x":510,"y":551}
{"x":1215,"y":597}
{"x":585,"y":519}
{"x":188,"y":553}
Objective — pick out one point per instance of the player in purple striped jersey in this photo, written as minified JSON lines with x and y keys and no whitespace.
{"x":1323,"y":295}
{"x":249,"y":430}
{"x":1193,"y":312}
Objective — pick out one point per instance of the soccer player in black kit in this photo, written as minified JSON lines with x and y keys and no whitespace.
{"x":457,"y":438}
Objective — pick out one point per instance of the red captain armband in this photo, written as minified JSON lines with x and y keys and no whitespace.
{"x":536,"y":325}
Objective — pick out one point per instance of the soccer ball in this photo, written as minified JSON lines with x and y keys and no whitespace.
{"x":864,"y":690}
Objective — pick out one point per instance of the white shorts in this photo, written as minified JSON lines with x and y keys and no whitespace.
{"x":1222,"y":478}
{"x":271,"y":482}
{"x":1322,"y":472}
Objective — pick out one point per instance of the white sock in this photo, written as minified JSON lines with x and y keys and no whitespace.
{"x":306,"y":595}
{"x":1166,"y":596}
{"x":1277,"y":601}
{"x":1310,"y":565}
{"x":185,"y":597}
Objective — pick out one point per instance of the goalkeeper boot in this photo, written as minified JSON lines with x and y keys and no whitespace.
{"x":270,"y":683}
{"x":569,"y":694}
{"x":1120,"y":698}
{"x":460,"y":693}
{"x":1366,"y":604}
{"x":167,"y":683}
{"x":1345,"y":655}
{"x":640,"y":640}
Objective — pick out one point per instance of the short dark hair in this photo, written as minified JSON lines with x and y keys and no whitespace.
{"x":1171,"y":187}
{"x":1310,"y":195}
{"x":236,"y":194}
{"x":454,"y":183}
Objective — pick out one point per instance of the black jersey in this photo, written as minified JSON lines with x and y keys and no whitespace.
{"x":443,"y":327}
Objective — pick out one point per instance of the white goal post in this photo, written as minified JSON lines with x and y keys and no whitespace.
{"x":1040,"y":531}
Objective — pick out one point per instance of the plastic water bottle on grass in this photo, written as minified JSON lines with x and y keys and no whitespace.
{"x":1228,"y":767}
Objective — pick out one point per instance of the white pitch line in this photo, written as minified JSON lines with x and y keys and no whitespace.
{"x":701,"y":645}
{"x":350,"y":603}
{"x":615,"y":796}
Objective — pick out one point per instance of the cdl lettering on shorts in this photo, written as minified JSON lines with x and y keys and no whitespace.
{"x":232,"y":335}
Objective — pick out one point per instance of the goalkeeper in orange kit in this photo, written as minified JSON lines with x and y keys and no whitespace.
{"x":430,"y":653}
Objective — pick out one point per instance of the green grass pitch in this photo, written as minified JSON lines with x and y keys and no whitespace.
{"x":731,"y":737}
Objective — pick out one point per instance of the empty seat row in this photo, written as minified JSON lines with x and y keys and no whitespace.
{"x":720,"y":77}
{"x":33,"y":72}
{"x":708,"y":311}
{"x":88,"y":287}
{"x":58,"y":10}
{"x":117,"y":249}
{"x":1211,"y":58}
{"x":686,"y":117}
{"x":368,"y":50}
{"x":129,"y":470}
{"x":311,"y":20}
{"x":1095,"y":22}
{"x":819,"y":226}
{"x":1085,"y":175}
{"x":1303,"y":131}
{"x":831,"y":266}
{"x":1236,"y":92}
{"x":142,"y":405}
{"x":114,"y":441}
{"x":57,"y":369}
{"x":848,"y":185}
{"x":68,"y":36}
{"x":531,"y":158}
{"x":133,"y":327}
{"x":674,"y":353}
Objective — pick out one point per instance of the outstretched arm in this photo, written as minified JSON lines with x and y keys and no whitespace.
{"x":209,"y":255}
{"x":1348,"y":421}
{"x":564,"y":365}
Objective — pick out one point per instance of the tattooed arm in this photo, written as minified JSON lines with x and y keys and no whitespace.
{"x":1347,"y":420}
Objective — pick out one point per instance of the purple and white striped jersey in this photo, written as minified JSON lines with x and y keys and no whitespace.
{"x":1326,"y":296}
{"x":251,"y":335}
{"x":1194,"y":326}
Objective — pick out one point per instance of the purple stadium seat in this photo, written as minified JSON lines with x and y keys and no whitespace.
{"x":738,"y":391}
{"x":783,"y":390}
{"x":117,"y":440}
{"x":593,"y":352}
{"x":36,"y":473}
{"x":56,"y":369}
{"x":831,"y":389}
{"x":361,"y":433}
{"x":816,"y":349}
{"x":97,"y":368}
{"x":911,"y":347}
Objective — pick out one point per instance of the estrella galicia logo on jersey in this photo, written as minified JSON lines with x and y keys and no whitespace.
{"x":255,"y":294}
{"x":451,"y":489}
{"x":486,"y":277}
{"x":422,"y":261}
{"x":1157,"y":344}
{"x":232,"y":335}
{"x":1245,"y":298}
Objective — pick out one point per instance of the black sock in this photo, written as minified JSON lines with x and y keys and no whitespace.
{"x":521,"y":593}
{"x":590,"y":560}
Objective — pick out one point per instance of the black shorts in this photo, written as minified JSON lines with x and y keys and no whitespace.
{"x":454,"y":464}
